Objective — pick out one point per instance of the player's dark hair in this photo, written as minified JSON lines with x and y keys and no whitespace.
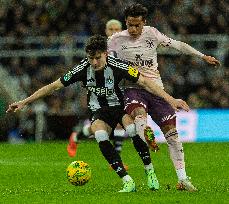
{"x":136,"y":10}
{"x":96,"y":43}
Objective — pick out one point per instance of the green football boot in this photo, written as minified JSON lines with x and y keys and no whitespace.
{"x":152,"y":182}
{"x":128,"y":186}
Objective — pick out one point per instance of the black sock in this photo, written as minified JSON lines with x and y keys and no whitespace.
{"x":112,"y":157}
{"x":118,"y":143}
{"x":142,"y":149}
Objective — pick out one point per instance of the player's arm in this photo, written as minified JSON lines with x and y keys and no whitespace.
{"x":185,"y":48}
{"x":44,"y":91}
{"x":153,"y":88}
{"x":134,"y":75}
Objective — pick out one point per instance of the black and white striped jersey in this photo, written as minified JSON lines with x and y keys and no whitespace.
{"x":102,"y":86}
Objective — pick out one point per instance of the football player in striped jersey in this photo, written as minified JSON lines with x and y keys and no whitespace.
{"x":112,"y":26}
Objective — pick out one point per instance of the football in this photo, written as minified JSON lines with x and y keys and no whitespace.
{"x":78,"y":173}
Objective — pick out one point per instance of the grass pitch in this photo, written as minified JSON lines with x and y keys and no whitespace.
{"x":36,"y":173}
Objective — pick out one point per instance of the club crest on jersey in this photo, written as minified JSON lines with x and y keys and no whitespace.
{"x":109,"y":80}
{"x":67,"y":76}
{"x":132,"y":71}
{"x":91,"y":80}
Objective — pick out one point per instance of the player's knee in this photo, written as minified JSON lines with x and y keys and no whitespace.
{"x":98,"y":125}
{"x":140,"y":121}
{"x":139,"y":111}
{"x":131,"y":130}
{"x":140,"y":117}
{"x":101,"y":135}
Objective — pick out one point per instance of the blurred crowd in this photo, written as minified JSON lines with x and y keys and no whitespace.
{"x":184,"y":77}
{"x":82,"y":17}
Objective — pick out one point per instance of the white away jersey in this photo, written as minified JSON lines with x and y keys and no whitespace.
{"x":140,"y":52}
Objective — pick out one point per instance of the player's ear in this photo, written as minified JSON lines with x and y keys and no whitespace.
{"x":106,"y":53}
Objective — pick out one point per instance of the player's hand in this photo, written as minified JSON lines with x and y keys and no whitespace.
{"x":14,"y":107}
{"x":211,"y":60}
{"x":179,"y":104}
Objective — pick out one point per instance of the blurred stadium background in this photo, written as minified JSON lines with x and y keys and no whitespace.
{"x":40,"y":40}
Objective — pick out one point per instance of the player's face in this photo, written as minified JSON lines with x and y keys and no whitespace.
{"x":113,"y":28}
{"x":135,"y":26}
{"x":98,"y":61}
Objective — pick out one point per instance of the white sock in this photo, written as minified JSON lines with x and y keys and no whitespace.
{"x":176,"y":153}
{"x":119,"y":132}
{"x":126,"y":178}
{"x":181,"y":174}
{"x":149,"y":167}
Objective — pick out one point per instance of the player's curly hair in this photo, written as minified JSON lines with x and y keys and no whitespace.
{"x":136,"y":10}
{"x":96,"y":43}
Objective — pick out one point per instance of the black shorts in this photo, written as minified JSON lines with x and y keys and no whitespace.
{"x":110,"y":115}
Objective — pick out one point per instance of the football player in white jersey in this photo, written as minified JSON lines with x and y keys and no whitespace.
{"x":138,"y":45}
{"x":114,"y":26}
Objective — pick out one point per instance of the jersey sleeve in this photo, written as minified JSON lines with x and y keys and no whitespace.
{"x":123,"y":70}
{"x":112,"y":46}
{"x":77,"y":73}
{"x":162,"y":38}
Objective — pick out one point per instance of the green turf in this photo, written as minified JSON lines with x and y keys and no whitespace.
{"x":35,"y":173}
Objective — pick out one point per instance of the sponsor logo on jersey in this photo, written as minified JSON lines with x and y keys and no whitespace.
{"x":100,"y":91}
{"x":68,"y":76}
{"x":132,"y":71}
{"x":143,"y":63}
